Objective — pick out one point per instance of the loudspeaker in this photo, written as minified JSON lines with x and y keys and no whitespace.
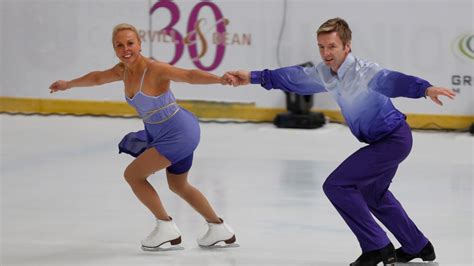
{"x":298,"y":104}
{"x":299,"y":107}
{"x":308,"y":121}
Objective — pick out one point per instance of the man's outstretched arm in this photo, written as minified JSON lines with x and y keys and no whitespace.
{"x":297,"y":79}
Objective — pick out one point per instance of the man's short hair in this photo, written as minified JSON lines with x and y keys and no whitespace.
{"x":337,"y":25}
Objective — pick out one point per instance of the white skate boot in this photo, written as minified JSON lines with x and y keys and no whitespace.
{"x":217,"y":233}
{"x":164,"y":232}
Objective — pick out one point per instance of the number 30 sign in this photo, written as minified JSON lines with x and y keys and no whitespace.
{"x":193,"y":32}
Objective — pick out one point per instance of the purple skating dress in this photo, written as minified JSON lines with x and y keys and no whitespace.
{"x":171,"y":129}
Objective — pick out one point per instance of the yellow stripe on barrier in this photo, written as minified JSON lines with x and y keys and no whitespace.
{"x":73,"y":107}
{"x":205,"y":110}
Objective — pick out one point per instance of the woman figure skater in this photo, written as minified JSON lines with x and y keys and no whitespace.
{"x":170,"y":137}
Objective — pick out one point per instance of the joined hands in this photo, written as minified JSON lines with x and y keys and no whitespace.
{"x":236,"y":78}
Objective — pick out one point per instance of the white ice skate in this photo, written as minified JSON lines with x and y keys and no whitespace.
{"x":164,"y":232}
{"x":217,"y":233}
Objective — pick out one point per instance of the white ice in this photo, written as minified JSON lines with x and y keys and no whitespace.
{"x":64,"y":200}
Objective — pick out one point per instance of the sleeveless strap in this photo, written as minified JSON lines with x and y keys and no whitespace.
{"x":143,"y":78}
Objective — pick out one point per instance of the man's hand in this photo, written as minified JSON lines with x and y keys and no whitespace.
{"x":241,"y":77}
{"x":434,"y":92}
{"x":228,"y":79}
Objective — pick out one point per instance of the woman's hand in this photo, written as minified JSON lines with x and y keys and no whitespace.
{"x":59,"y":85}
{"x":239,"y":77}
{"x":228,"y":79}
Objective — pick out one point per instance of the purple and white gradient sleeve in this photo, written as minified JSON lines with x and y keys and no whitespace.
{"x":395,"y":84}
{"x":297,"y":79}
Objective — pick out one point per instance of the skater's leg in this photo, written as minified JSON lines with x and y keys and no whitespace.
{"x":366,"y":166}
{"x":383,"y":203}
{"x":218,"y":230}
{"x":390,"y":212}
{"x":136,"y":174}
{"x":341,"y":187}
{"x":178,"y":183}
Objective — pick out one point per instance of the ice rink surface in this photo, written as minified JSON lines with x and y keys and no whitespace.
{"x":64,"y":200}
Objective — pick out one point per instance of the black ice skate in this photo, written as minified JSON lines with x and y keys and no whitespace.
{"x":372,"y":258}
{"x":426,"y":254}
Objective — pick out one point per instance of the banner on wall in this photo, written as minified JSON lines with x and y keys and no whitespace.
{"x":203,"y":39}
{"x":463,"y":49}
{"x":221,"y":35}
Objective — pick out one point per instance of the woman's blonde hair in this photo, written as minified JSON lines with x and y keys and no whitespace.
{"x":124,"y":26}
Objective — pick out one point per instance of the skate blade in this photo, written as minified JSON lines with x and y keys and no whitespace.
{"x":218,"y":246}
{"x":162,"y":248}
{"x":425,"y":263}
